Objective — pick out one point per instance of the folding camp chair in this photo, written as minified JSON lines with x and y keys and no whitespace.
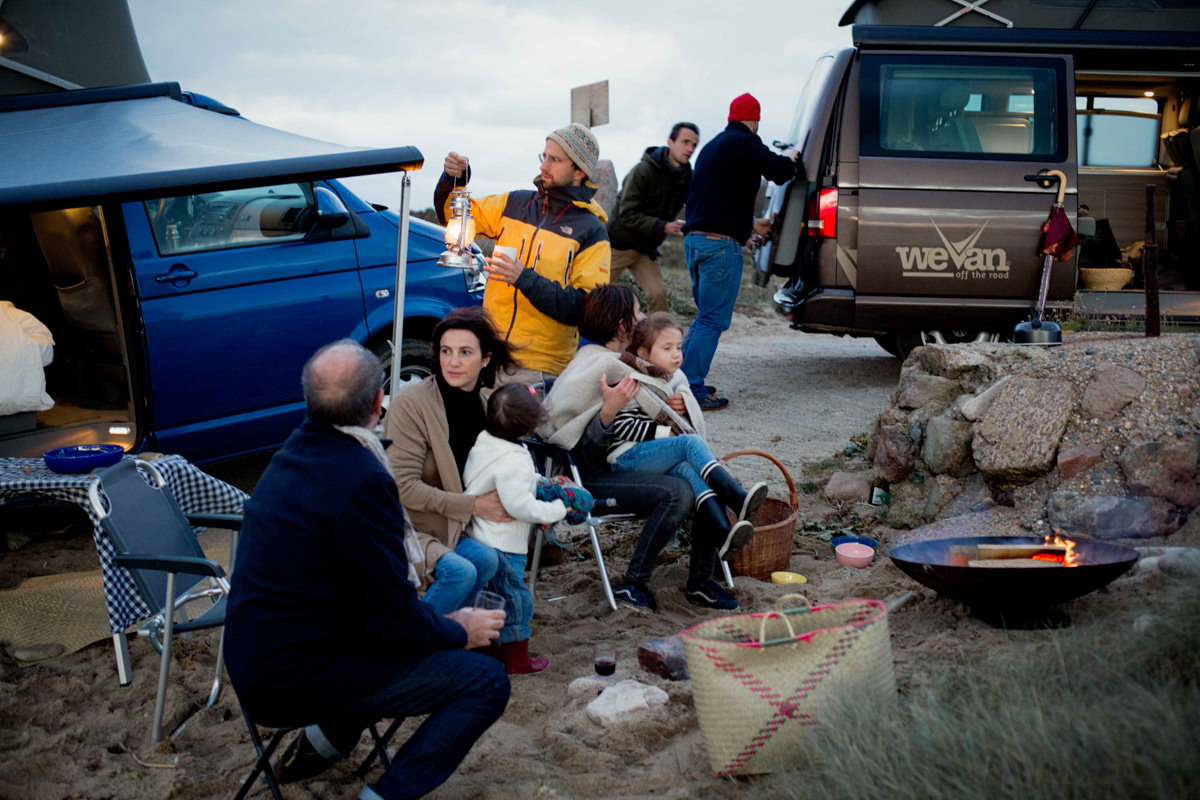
{"x":557,"y":461}
{"x":154,"y":540}
{"x":262,"y":765}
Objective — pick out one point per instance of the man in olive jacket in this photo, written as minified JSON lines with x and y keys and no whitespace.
{"x":651,"y":196}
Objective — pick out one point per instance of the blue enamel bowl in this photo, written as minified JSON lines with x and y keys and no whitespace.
{"x":82,"y":457}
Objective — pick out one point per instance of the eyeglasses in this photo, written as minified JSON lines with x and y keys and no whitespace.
{"x":555,"y":160}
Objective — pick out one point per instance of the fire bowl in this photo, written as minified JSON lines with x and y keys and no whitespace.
{"x":938,"y":564}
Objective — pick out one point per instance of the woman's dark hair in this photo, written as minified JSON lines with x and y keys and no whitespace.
{"x":648,"y":330}
{"x":513,"y":412}
{"x":477,"y":321}
{"x":604,"y":309}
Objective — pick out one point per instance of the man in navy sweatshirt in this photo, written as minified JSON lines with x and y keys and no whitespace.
{"x":720,"y":220}
{"x":324,"y":627}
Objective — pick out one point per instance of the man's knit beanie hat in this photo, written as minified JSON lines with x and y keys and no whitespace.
{"x":580,"y":144}
{"x":744,"y":108}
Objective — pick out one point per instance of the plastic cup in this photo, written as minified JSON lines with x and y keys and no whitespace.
{"x":489,"y":601}
{"x":511,"y":252}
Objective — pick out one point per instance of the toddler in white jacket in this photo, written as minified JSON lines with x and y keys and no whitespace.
{"x":499,"y":461}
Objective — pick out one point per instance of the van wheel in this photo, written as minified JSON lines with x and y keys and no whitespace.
{"x":901,"y":343}
{"x":415,"y":362}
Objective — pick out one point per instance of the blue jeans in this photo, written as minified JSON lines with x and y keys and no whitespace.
{"x":458,"y":576}
{"x":462,"y":692}
{"x":682,"y":456}
{"x":716,"y":269}
{"x":509,"y":582}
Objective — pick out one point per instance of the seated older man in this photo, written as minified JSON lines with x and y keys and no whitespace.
{"x":324,"y":627}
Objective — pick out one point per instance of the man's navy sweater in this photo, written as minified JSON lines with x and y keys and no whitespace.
{"x":320,"y":608}
{"x":726,"y":179}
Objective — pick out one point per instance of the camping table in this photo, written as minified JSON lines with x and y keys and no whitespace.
{"x":196,"y":492}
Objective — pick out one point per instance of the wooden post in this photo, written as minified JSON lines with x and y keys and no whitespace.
{"x":1150,"y":266}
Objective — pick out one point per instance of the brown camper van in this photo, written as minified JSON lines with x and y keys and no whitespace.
{"x":917,"y":214}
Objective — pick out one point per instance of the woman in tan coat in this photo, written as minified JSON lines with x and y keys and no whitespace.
{"x":433,"y":426}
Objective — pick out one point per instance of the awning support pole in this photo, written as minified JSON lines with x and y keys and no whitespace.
{"x":398,"y":294}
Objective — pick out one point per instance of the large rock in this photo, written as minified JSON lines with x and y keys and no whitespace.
{"x":1108,"y":517}
{"x":921,"y":390}
{"x":973,"y":408}
{"x":893,"y":454}
{"x":1075,"y":460}
{"x":1111,"y":389}
{"x":849,"y":487}
{"x":1019,"y":435}
{"x":664,"y":657}
{"x":624,"y":700}
{"x":957,"y":363}
{"x":1168,"y":468}
{"x":947,"y":445}
{"x":606,"y":185}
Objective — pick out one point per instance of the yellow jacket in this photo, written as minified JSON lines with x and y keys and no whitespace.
{"x":560,"y":236}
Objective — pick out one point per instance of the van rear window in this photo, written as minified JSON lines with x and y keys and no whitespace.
{"x":963,"y":106}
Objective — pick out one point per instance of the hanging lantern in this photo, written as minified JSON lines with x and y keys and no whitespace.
{"x":460,"y":232}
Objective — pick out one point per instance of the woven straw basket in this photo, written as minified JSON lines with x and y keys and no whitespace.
{"x":760,"y":681}
{"x":770,"y":549}
{"x":1105,"y":279}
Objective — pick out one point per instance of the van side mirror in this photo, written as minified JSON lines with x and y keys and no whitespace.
{"x":331,"y":211}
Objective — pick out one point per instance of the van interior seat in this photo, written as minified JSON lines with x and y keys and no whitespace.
{"x":952,"y":131}
{"x":1183,"y":186}
{"x":1003,"y":133}
{"x":72,"y":243}
{"x":1178,"y":143}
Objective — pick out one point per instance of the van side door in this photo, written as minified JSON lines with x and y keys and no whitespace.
{"x":946,"y":142}
{"x":237,"y":290}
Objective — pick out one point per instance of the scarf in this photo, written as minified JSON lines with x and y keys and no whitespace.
{"x":412,"y":547}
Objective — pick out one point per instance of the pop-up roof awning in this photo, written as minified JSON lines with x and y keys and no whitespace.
{"x":131,"y":142}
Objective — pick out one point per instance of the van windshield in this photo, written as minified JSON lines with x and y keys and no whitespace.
{"x":814,"y":87}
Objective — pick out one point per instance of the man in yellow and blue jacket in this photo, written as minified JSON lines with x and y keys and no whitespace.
{"x":562,"y":250}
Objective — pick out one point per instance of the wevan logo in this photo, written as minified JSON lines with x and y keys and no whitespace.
{"x":961,"y":259}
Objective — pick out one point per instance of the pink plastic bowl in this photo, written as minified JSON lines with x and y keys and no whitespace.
{"x":852,"y":554}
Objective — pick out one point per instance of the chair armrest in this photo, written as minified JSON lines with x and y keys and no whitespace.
{"x":190,"y":565}
{"x":231,"y":521}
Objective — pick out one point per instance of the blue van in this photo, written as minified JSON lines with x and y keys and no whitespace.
{"x":184,"y":289}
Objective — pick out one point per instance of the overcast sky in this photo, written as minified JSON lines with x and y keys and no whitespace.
{"x":487,"y":79}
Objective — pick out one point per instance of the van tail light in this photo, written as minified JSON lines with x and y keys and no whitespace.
{"x":822,"y":213}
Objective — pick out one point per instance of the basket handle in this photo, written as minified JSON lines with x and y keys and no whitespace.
{"x":780,"y":614}
{"x":793,"y":497}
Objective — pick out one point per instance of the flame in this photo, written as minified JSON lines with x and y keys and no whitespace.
{"x":1049,"y":557}
{"x":1071,"y":558}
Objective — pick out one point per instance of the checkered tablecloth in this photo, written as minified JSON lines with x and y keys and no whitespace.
{"x":196,"y":492}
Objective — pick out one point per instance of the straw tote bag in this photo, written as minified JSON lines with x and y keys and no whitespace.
{"x":760,"y":681}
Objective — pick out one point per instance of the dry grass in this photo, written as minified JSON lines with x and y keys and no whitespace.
{"x":1083,"y":715}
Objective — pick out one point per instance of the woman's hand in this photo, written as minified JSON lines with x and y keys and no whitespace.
{"x":482,"y":625}
{"x":616,"y":397}
{"x":490,"y":508}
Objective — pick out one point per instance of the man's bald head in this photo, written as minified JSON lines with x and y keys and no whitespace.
{"x":341,"y":383}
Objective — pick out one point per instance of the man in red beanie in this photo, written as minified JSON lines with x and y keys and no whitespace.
{"x":720,"y":220}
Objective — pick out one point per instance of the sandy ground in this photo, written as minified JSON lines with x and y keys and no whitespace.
{"x":67,"y":730}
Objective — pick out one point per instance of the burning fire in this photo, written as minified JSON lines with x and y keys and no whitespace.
{"x":1069,"y":559}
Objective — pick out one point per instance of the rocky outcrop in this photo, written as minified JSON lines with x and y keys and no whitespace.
{"x":1098,"y":437}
